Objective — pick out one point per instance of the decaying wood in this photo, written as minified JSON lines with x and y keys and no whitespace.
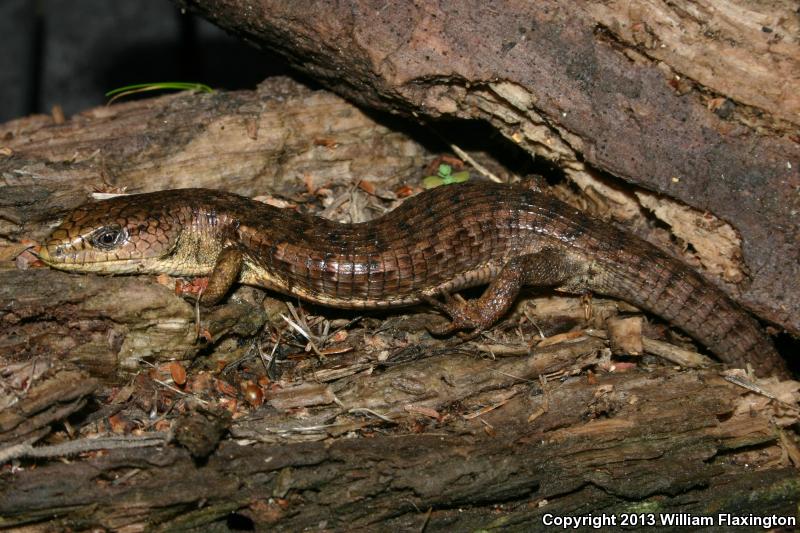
{"x":36,"y":394}
{"x":592,"y":448}
{"x":612,"y":87}
{"x":358,"y":422}
{"x":99,"y":325}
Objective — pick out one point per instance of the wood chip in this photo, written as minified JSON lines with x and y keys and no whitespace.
{"x":670,"y":352}
{"x":420,"y":410}
{"x":625,"y":335}
{"x":305,"y":395}
{"x":561,"y":337}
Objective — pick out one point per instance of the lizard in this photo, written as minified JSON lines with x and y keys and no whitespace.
{"x":441,"y":241}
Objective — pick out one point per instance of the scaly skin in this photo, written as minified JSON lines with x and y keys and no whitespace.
{"x":441,"y":241}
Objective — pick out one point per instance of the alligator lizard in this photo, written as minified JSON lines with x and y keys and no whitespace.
{"x":440,"y":241}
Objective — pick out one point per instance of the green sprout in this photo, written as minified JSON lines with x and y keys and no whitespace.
{"x":162,"y":86}
{"x":445,"y":176}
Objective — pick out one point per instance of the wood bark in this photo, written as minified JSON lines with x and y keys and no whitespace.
{"x":387,"y":427}
{"x":593,"y":449}
{"x":693,"y":101}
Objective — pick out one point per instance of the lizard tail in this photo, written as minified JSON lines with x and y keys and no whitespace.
{"x":665,"y":287}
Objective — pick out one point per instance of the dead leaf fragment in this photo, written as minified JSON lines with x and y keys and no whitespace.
{"x":367,"y":186}
{"x":404,"y":191}
{"x":178,"y":373}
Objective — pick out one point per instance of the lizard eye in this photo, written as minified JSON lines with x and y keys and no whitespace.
{"x":108,"y":237}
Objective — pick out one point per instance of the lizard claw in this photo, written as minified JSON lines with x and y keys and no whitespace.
{"x":444,"y":306}
{"x":462,"y":316}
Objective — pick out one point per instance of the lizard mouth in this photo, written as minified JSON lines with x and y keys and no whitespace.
{"x":43,"y":253}
{"x":55,"y":255}
{"x":76,"y":260}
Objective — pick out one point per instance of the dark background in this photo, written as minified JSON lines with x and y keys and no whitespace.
{"x":70,"y":52}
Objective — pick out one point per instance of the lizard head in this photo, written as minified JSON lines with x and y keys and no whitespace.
{"x":126,"y":234}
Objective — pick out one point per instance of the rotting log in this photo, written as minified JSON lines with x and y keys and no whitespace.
{"x":98,"y":325}
{"x":689,"y":100}
{"x":389,"y":428}
{"x":594,"y":448}
{"x":36,"y":394}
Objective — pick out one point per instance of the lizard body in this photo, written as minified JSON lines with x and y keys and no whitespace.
{"x":441,"y":241}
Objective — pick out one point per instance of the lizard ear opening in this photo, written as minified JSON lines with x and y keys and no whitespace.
{"x":108,"y":237}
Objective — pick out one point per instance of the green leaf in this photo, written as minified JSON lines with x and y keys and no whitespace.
{"x":429,"y":182}
{"x":161,"y":86}
{"x":444,"y":170}
{"x":458,"y":177}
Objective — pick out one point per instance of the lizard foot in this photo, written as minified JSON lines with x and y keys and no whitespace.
{"x":463,"y":315}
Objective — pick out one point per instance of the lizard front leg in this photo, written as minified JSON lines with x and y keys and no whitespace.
{"x":226,"y":273}
{"x":548,"y":267}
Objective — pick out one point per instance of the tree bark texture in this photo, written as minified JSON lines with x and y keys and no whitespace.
{"x":387,"y":427}
{"x":594,"y":448}
{"x":691,"y":100}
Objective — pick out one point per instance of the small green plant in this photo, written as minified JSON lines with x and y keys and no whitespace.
{"x":162,"y":86}
{"x":445,"y":176}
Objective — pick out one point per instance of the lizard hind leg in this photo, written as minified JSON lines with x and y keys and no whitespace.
{"x":226,"y":273}
{"x":546,"y":268}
